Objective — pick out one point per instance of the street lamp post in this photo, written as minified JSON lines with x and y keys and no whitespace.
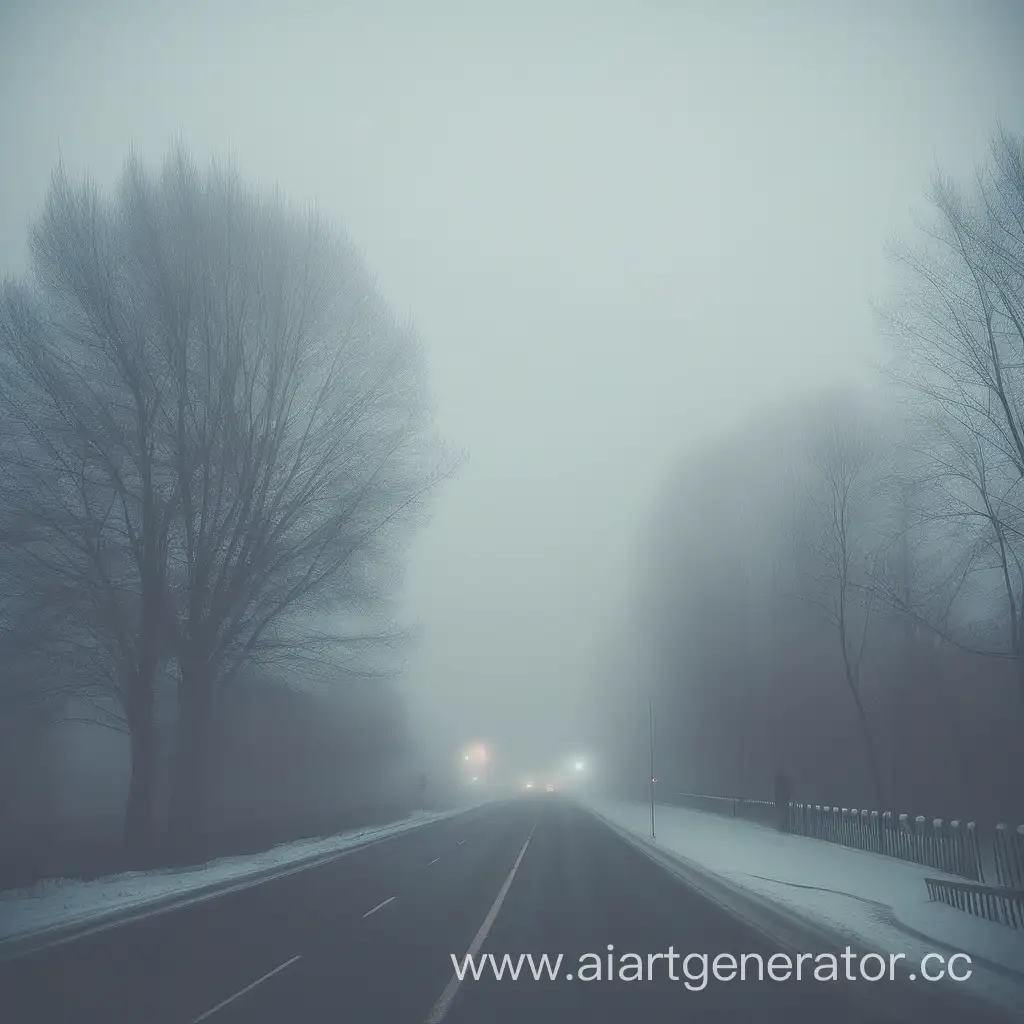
{"x":654,"y":779}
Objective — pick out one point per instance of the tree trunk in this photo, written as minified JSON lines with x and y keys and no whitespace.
{"x":138,"y":836}
{"x":140,"y":688}
{"x":872,"y":755}
{"x":139,"y":810}
{"x":852,"y":675}
{"x":1020,"y":687}
{"x":191,"y":778}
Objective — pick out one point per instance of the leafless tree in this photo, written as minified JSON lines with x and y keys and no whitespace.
{"x":223,"y":434}
{"x":959,"y":333}
{"x":296,"y":428}
{"x":842,"y":546}
{"x":84,"y":480}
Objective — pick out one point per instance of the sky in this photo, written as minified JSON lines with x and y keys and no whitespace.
{"x":619,"y":228}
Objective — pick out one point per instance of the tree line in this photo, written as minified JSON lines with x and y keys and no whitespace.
{"x":837,"y":588}
{"x":215,"y":437}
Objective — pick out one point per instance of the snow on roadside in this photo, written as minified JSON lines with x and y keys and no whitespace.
{"x":877,"y":902}
{"x":56,"y":902}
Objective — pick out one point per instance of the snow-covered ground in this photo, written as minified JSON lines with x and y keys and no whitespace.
{"x":58,"y":903}
{"x":877,"y":903}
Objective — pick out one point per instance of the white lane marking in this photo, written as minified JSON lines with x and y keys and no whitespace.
{"x":379,"y":905}
{"x":442,"y":1005}
{"x":434,"y":861}
{"x":248,"y":988}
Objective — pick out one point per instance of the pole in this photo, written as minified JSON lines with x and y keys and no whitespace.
{"x":650,"y":715}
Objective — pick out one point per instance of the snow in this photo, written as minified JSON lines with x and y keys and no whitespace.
{"x":877,"y":903}
{"x":55,"y":904}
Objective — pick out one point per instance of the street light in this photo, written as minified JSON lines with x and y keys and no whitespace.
{"x":654,"y":778}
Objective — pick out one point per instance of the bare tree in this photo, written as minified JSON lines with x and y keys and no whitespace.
{"x":222,"y":435}
{"x":959,"y":330}
{"x":295,"y":426}
{"x":842,"y":552}
{"x":84,"y":481}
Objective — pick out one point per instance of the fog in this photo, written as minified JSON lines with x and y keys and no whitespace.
{"x":620,"y":230}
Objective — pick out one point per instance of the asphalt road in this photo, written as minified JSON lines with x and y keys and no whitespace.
{"x":368,"y":938}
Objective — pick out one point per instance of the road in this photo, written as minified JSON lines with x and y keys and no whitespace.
{"x":368,"y":938}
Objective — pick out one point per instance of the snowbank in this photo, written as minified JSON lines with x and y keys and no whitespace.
{"x":875,"y":902}
{"x":56,"y":904}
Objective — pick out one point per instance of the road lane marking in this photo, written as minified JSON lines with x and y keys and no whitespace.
{"x":379,"y":905}
{"x":437,"y":1014}
{"x":434,"y":861}
{"x":248,"y":988}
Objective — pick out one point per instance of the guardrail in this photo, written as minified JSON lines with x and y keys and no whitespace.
{"x":1008,"y":854}
{"x":993,"y":902}
{"x":952,"y":847}
{"x":946,"y":846}
{"x":760,"y":811}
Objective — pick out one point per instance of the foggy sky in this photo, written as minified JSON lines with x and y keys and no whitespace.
{"x":618,"y":228}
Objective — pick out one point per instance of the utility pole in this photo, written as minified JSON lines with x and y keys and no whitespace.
{"x":654,"y":780}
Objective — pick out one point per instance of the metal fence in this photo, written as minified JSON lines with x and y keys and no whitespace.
{"x":952,"y":847}
{"x":760,"y":811}
{"x":993,"y":902}
{"x":1008,"y":855}
{"x":947,"y":846}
